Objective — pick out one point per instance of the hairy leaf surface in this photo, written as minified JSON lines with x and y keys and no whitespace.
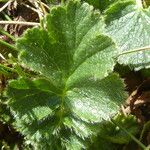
{"x":74,"y":90}
{"x":129,"y":27}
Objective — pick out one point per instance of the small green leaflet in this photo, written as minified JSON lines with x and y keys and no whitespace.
{"x":129,"y":26}
{"x":75,"y":88}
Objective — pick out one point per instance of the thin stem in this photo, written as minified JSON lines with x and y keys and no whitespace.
{"x":6,"y":16}
{"x":42,"y":7}
{"x":129,"y":134}
{"x":8,"y":45}
{"x":20,"y":23}
{"x":7,"y":68}
{"x":135,"y":50}
{"x":39,"y":10}
{"x":2,"y":57}
{"x":7,"y":34}
{"x":46,"y":6}
{"x":33,"y":9}
{"x":2,"y":8}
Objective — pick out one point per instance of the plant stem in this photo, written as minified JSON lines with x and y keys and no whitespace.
{"x":20,"y":23}
{"x":3,"y":7}
{"x":7,"y":34}
{"x":45,"y":5}
{"x":2,"y":57}
{"x":42,"y":8}
{"x":6,"y":16}
{"x":135,"y":50}
{"x":7,"y":69}
{"x":8,"y":45}
{"x":33,"y":9}
{"x":39,"y":10}
{"x":129,"y":134}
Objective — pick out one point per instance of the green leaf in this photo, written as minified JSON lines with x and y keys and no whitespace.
{"x":104,"y":4}
{"x":145,"y":73}
{"x":74,"y":91}
{"x":97,"y":3}
{"x":103,"y":144}
{"x":129,"y":26}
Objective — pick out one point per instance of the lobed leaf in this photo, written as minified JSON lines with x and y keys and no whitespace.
{"x":74,"y":91}
{"x":128,"y":25}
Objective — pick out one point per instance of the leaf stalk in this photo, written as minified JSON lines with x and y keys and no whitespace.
{"x":135,"y":50}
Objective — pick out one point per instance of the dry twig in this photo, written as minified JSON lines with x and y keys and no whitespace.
{"x":20,"y":23}
{"x":5,"y":6}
